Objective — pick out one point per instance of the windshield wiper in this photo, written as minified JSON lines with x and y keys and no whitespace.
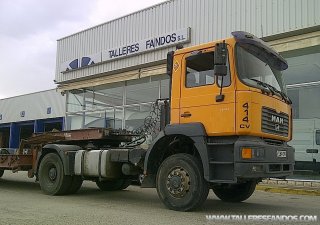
{"x":274,"y":90}
{"x":283,"y":95}
{"x":265,"y":85}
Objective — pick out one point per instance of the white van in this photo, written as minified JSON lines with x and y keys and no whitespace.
{"x":306,"y":141}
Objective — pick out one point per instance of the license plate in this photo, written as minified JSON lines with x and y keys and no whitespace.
{"x":281,"y":154}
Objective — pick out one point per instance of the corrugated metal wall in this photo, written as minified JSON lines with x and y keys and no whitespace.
{"x":208,"y":19}
{"x":34,"y":105}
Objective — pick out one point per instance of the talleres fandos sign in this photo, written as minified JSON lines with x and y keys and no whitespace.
{"x":127,"y":50}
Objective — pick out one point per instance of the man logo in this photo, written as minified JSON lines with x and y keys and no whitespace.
{"x":74,"y":64}
{"x":80,"y":62}
{"x":277,"y":127}
{"x":277,"y":119}
{"x":85,"y":61}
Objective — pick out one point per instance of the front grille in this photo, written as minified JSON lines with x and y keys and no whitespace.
{"x":274,"y":123}
{"x":273,"y":142}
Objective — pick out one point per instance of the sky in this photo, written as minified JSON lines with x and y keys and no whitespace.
{"x":29,"y":30}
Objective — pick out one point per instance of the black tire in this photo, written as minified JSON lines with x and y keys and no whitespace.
{"x":75,"y":185}
{"x":51,"y":176}
{"x":180,"y":183}
{"x":113,"y":185}
{"x":235,"y":192}
{"x":1,"y":173}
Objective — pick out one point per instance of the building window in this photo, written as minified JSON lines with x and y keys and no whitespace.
{"x":49,"y":110}
{"x":75,"y":101}
{"x":120,"y":105}
{"x":303,"y":68}
{"x":135,"y":116}
{"x":142,"y":90}
{"x":110,"y":118}
{"x":104,"y":96}
{"x":304,"y":103}
{"x":74,"y":121}
{"x":165,"y":87}
{"x":303,"y":83}
{"x":22,"y":113}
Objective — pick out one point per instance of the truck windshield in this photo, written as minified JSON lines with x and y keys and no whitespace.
{"x":254,"y":72}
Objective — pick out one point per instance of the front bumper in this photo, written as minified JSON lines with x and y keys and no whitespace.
{"x":226,"y":164}
{"x":269,"y":165}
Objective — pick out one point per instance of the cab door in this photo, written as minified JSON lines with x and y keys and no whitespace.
{"x":199,"y":88}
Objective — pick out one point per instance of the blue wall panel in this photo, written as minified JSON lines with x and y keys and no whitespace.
{"x":14,"y":135}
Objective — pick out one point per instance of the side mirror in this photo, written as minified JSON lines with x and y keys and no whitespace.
{"x":170,"y":63}
{"x":318,"y":137}
{"x":220,"y":70}
{"x":220,"y":54}
{"x":220,"y":65}
{"x":220,"y":59}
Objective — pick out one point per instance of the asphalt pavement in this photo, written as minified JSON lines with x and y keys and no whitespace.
{"x":22,"y":202}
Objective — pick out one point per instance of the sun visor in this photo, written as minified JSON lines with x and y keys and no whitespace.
{"x":260,"y":49}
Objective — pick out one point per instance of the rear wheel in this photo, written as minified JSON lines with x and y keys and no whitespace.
{"x":235,"y":192}
{"x":180,"y":183}
{"x":113,"y":185}
{"x":1,"y":173}
{"x":51,"y":176}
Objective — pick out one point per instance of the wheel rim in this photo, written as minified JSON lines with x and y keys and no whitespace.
{"x":52,"y":174}
{"x":178,"y":182}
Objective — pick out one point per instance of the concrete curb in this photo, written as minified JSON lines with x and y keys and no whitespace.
{"x":292,"y":182}
{"x":288,"y":190}
{"x":290,"y":186}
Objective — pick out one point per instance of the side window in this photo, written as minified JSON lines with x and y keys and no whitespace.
{"x":317,"y":137}
{"x":200,"y":70}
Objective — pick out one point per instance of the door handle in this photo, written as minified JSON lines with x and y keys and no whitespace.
{"x":186,"y":114}
{"x":312,"y":150}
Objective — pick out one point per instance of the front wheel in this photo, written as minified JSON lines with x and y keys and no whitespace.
{"x":113,"y":185}
{"x":180,"y":183}
{"x":1,"y":173}
{"x":235,"y":192}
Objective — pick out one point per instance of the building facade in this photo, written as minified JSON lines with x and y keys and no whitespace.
{"x":32,"y":113}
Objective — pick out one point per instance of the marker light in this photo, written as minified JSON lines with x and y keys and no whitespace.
{"x":246,"y":153}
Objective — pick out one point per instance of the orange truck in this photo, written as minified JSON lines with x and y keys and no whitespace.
{"x":225,"y":128}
